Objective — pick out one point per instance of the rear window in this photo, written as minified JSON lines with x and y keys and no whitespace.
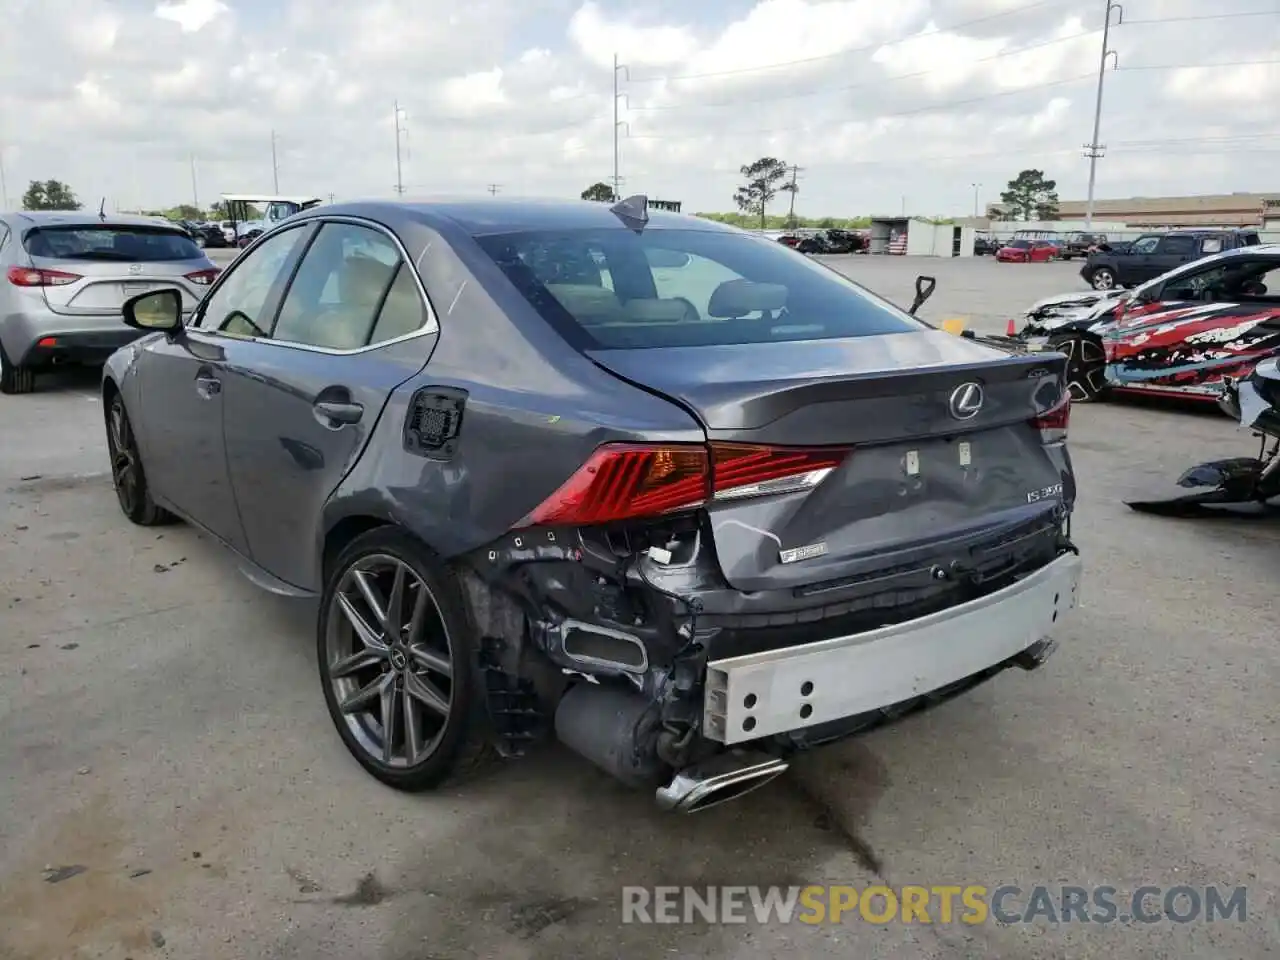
{"x":132,"y":244}
{"x":1021,"y":244}
{"x":667,"y":288}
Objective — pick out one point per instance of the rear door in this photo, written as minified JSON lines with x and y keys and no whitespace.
{"x":303,"y":397}
{"x":1173,"y":251}
{"x":100,"y":266}
{"x":1136,"y":265}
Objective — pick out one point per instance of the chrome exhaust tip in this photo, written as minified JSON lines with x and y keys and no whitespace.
{"x":723,"y":777}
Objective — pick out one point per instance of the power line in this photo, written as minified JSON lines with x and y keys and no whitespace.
{"x":928,"y":108}
{"x":1207,"y":16}
{"x":867,"y":83}
{"x":844,"y":53}
{"x":933,"y":107}
{"x":493,"y":189}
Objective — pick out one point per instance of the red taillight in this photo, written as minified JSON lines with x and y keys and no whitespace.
{"x":623,"y":480}
{"x":1052,"y":424}
{"x":744,"y":470}
{"x":35,"y":277}
{"x":204,"y":277}
{"x":628,"y":481}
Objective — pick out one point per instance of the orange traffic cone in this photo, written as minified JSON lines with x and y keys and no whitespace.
{"x":1011,"y":330}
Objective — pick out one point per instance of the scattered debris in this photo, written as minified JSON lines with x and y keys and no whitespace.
{"x":157,"y":939}
{"x":138,"y":873}
{"x":305,"y":883}
{"x":33,"y":646}
{"x":58,"y":874}
{"x":160,"y":568}
{"x":530,"y":919}
{"x":69,"y":646}
{"x":82,"y":771}
{"x":195,"y":854}
{"x":368,"y":893}
{"x":22,"y":526}
{"x":34,"y":476}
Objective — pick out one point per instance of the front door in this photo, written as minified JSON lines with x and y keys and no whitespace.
{"x":1136,"y":266}
{"x":1172,"y":252}
{"x":186,"y":378}
{"x":180,"y":386}
{"x":302,"y":401}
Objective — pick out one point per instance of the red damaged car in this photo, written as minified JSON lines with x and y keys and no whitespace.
{"x":1028,"y":251}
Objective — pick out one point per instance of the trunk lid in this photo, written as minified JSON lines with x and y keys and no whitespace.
{"x":918,"y":474}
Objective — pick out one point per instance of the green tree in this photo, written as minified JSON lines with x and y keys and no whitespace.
{"x":1031,"y":197}
{"x":601,"y":192}
{"x":763,"y":181}
{"x":49,"y":195}
{"x":184,"y":211}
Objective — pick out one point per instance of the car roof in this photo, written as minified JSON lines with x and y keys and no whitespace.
{"x":479,"y":217}
{"x":82,"y":218}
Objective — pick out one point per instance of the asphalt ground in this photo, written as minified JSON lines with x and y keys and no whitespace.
{"x":163,"y":735}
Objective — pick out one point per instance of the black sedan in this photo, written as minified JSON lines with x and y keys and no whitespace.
{"x":682,"y":497}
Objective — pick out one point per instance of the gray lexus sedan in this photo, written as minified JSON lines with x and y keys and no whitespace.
{"x":65,"y":275}
{"x":658,"y":487}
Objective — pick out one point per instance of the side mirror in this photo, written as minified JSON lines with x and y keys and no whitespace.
{"x":924,"y":290}
{"x":155,"y":310}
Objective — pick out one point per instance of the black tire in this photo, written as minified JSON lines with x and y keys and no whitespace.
{"x":127,"y":474}
{"x":13,"y":379}
{"x":463,"y":745}
{"x":1086,"y":364}
{"x":1103,"y":278}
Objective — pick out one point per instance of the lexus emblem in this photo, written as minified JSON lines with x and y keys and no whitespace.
{"x":135,"y":268}
{"x":966,"y":401}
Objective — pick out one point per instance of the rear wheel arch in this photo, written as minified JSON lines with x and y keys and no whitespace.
{"x":340,"y":534}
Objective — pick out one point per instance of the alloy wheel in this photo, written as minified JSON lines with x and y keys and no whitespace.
{"x":1103,"y":279}
{"x":124,"y":458}
{"x":1086,"y":367}
{"x":388,"y":659}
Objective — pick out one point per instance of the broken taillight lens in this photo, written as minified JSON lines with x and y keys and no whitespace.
{"x":1052,"y":424}
{"x":628,"y":481}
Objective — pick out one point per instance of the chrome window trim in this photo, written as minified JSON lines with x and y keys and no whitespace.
{"x":431,"y":326}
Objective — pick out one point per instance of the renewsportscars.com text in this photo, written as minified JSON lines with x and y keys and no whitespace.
{"x":972,"y":904}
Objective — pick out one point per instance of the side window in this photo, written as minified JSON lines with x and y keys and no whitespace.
{"x":1249,"y":240}
{"x":237,"y":306}
{"x":403,"y":311}
{"x":336,"y":294}
{"x":1210,"y":244}
{"x":1144,"y":245}
{"x":1178,"y":246}
{"x":4,"y":236}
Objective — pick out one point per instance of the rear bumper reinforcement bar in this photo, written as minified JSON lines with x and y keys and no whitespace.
{"x":762,"y":694}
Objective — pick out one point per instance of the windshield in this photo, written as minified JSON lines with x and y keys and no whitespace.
{"x":616,"y":288}
{"x":131,"y":244}
{"x":1021,"y":244}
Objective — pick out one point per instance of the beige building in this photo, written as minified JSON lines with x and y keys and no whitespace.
{"x":1227,"y":209}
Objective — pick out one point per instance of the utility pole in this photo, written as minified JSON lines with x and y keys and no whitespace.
{"x":4,"y":186}
{"x":1093,"y":149}
{"x":976,"y":188}
{"x":617,"y":124}
{"x":494,"y":188}
{"x":792,"y":189}
{"x":399,"y":166}
{"x":275,"y":166}
{"x":195,"y":189}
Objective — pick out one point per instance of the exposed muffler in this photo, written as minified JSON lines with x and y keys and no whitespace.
{"x":723,"y":777}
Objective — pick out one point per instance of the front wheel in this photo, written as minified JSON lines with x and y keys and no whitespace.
{"x":127,"y":475}
{"x":396,"y":653}
{"x":1102,"y":278}
{"x":1086,"y":366}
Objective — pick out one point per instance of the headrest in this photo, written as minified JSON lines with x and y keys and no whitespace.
{"x":587,"y":303}
{"x":657,"y":311}
{"x":737,"y":298}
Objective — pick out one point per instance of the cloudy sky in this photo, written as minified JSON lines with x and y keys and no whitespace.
{"x":882,"y":104}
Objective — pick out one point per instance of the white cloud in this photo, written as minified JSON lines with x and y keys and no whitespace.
{"x":191,"y":15}
{"x":875,"y":100}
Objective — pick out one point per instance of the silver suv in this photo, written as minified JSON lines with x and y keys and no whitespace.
{"x":64,"y":276}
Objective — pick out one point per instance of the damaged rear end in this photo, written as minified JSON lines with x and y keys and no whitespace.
{"x":841,"y":549}
{"x":871,"y":524}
